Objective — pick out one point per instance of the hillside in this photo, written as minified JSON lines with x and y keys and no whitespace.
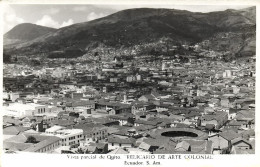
{"x":134,"y":27}
{"x":25,"y":32}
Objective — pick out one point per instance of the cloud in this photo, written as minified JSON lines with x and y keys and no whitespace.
{"x":67,"y":23}
{"x":51,"y":11}
{"x":47,"y":21}
{"x":93,"y":16}
{"x":79,"y":8}
{"x":10,"y":18}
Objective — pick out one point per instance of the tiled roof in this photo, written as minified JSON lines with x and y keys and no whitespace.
{"x":14,"y":130}
{"x":118,"y":151}
{"x":42,"y":144}
{"x":61,"y":122}
{"x":245,"y":114}
{"x":144,"y":146}
{"x":229,"y":135}
{"x":183,"y":145}
{"x":114,"y":139}
{"x":91,"y":148}
{"x":235,"y":123}
{"x":146,"y":122}
{"x":89,"y":127}
{"x":16,"y":146}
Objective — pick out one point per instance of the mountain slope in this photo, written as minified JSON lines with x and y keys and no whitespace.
{"x":25,"y":32}
{"x":141,"y":26}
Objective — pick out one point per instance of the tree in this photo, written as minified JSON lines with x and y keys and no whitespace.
{"x":31,"y":139}
{"x":6,"y":58}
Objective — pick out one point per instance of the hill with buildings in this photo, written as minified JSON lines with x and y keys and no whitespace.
{"x":232,"y":30}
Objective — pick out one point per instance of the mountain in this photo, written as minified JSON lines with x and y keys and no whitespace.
{"x":26,"y":32}
{"x":133,"y":27}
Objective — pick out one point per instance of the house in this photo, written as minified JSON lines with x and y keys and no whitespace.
{"x":13,"y":131}
{"x":137,"y":151}
{"x":106,"y":121}
{"x":32,"y":143}
{"x":123,"y":120}
{"x":21,"y":110}
{"x":102,"y":148}
{"x":63,"y":122}
{"x":112,"y":107}
{"x":235,"y":124}
{"x":245,"y":115}
{"x":119,"y":150}
{"x":222,"y":142}
{"x":218,"y":119}
{"x":11,"y":121}
{"x":246,"y":118}
{"x":92,"y":149}
{"x":232,"y":113}
{"x":225,"y":102}
{"x":139,"y":122}
{"x":75,"y":95}
{"x":146,"y":98}
{"x":116,"y":142}
{"x":241,"y":146}
{"x":92,"y":132}
{"x":150,"y":144}
{"x":68,"y":136}
{"x":99,"y":133}
{"x":142,"y":107}
{"x":248,"y":134}
{"x":183,"y":146}
{"x":80,"y":106}
{"x":199,"y":146}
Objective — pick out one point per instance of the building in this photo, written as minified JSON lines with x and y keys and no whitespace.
{"x":222,"y":142}
{"x":32,"y":143}
{"x":218,"y":119}
{"x":21,"y":110}
{"x":116,"y":142}
{"x":68,"y":136}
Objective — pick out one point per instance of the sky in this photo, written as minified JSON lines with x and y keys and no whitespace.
{"x":57,"y":16}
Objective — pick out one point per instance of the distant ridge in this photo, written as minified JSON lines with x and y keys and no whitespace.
{"x":133,"y":27}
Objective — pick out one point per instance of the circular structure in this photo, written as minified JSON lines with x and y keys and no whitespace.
{"x":179,"y":133}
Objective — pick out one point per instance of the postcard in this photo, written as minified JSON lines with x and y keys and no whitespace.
{"x":129,"y":83}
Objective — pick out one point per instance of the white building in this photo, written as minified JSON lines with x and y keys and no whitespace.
{"x":68,"y":136}
{"x":14,"y":96}
{"x":115,"y":142}
{"x":227,"y":74}
{"x":21,"y":110}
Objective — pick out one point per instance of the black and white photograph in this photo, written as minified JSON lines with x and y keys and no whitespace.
{"x":135,"y":80}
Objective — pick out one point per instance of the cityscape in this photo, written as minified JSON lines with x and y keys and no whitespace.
{"x":104,"y":89}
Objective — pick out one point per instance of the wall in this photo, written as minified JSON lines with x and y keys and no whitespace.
{"x":218,"y":142}
{"x":112,"y":146}
{"x":71,"y":139}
